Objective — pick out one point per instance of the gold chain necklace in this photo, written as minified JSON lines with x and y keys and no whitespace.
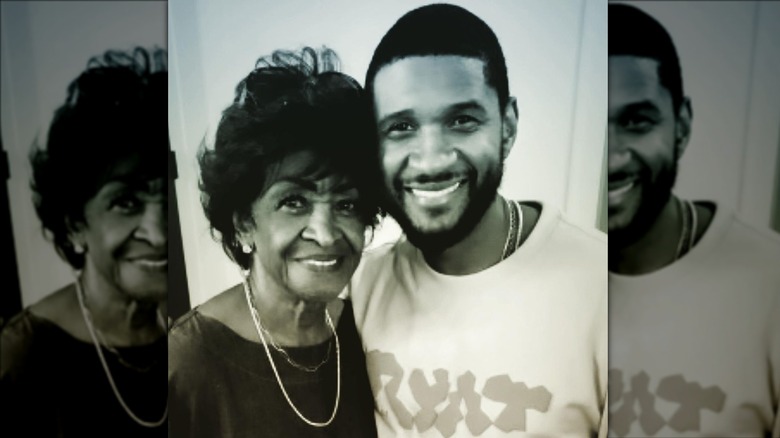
{"x":515,"y":230}
{"x":283,"y":352}
{"x":118,"y":355}
{"x":689,"y":219}
{"x":91,"y":329}
{"x":256,"y":320}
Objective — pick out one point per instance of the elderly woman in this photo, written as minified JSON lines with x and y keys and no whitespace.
{"x":89,"y":359}
{"x":278,"y":355}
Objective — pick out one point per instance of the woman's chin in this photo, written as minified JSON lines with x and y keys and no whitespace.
{"x":152,"y":292}
{"x":316,"y":293}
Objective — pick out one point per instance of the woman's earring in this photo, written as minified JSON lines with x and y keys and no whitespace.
{"x":246,"y":248}
{"x":78,"y":248}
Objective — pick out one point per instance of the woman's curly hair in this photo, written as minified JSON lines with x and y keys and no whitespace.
{"x":290,"y":102}
{"x":115,"y":110}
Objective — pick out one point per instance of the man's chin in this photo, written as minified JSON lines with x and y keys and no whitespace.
{"x":436,"y":235}
{"x":626,"y":228}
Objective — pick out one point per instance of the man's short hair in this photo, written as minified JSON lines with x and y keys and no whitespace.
{"x":633,"y":32}
{"x":442,"y":29}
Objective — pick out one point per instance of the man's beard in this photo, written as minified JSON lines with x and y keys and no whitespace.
{"x":480,"y":197}
{"x":654,"y":196}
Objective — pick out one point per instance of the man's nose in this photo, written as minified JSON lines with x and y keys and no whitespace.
{"x":433,"y":153}
{"x":618,"y":155}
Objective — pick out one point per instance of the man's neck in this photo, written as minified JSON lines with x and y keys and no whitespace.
{"x":480,"y":249}
{"x":657,"y":247}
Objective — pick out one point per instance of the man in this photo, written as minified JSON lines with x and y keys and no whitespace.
{"x":489,"y":316}
{"x":694,"y":291}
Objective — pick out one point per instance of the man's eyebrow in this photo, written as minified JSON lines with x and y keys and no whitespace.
{"x":466,"y":106}
{"x":469,"y":105}
{"x":635,"y":107}
{"x":644,"y":105}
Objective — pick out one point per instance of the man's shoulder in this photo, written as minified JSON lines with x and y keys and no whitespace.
{"x":763,"y":240}
{"x":575,"y":236}
{"x":394,"y":248}
{"x":385,"y":257}
{"x":588,"y":235}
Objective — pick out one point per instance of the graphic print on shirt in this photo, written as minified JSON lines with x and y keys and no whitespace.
{"x":631,"y":400}
{"x":449,"y":400}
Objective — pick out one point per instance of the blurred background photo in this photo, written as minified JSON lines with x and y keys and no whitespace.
{"x":730,"y":62}
{"x":83,"y":339}
{"x":46,"y":45}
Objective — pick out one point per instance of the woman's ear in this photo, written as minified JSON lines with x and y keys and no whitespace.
{"x":243,"y":226}
{"x":76,"y":235}
{"x":240,"y":224}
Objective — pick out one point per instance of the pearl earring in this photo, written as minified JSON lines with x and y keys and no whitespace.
{"x":78,"y":248}
{"x":246,"y":248}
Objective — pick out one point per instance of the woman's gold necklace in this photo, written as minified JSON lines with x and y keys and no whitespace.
{"x":88,"y":320}
{"x":256,"y":320}
{"x":283,"y":352}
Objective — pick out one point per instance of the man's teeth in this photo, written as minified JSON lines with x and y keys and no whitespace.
{"x":622,"y":189}
{"x":435,"y":193}
{"x":321,"y":263}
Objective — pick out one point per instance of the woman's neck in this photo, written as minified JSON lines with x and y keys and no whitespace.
{"x":122,"y":320}
{"x":290,"y":320}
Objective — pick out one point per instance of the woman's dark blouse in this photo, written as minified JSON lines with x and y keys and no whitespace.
{"x":222,"y":385}
{"x":53,"y":385}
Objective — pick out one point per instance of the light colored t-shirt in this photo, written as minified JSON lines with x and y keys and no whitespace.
{"x":694,"y":348}
{"x":518,"y":349}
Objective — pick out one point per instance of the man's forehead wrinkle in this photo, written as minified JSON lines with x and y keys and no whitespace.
{"x":633,"y":80}
{"x":413,"y":75}
{"x":631,"y":69}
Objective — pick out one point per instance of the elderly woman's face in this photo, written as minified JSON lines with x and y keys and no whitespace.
{"x":126,"y":235}
{"x":307,"y":234}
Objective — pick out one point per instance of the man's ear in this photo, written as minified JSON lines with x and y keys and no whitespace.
{"x":509,"y":126}
{"x":682,"y":128}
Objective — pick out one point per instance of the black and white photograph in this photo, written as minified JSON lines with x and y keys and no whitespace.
{"x":393,"y":218}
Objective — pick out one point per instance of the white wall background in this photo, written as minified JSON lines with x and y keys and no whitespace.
{"x":730,"y":57}
{"x":44,"y":46}
{"x":556,"y":56}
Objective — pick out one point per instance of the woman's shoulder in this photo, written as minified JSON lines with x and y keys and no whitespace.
{"x":27,"y":336}
{"x":59,"y":307}
{"x":18,"y":334}
{"x":193,"y":335}
{"x":53,"y":313}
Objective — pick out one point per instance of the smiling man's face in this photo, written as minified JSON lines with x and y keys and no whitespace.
{"x":443,"y":139}
{"x":646,"y":138}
